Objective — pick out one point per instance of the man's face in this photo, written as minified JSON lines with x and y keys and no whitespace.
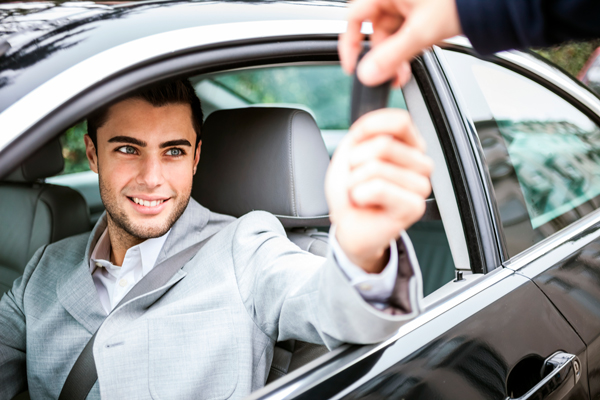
{"x":145,"y":161}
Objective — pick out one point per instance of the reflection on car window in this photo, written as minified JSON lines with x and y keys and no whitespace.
{"x":543,"y":153}
{"x":322,"y":90}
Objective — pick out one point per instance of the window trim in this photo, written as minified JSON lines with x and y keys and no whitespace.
{"x":464,"y":156}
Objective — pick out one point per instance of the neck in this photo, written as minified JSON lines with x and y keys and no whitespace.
{"x":120,"y":242}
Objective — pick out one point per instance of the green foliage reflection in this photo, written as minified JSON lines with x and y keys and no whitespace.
{"x":74,"y":149}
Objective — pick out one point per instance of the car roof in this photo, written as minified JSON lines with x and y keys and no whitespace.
{"x":40,"y":42}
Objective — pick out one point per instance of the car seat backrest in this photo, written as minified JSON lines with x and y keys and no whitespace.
{"x":271,"y":159}
{"x":33,"y":214}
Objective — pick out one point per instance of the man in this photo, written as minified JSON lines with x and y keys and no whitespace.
{"x":209,"y":332}
{"x":404,"y":28}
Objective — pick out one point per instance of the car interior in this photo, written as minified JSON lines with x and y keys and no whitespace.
{"x":256,"y":155}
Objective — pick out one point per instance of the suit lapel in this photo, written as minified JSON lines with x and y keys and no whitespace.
{"x":77,"y":292}
{"x":188,"y":230}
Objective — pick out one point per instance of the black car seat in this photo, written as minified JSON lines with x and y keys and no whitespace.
{"x":33,"y":214}
{"x":271,"y":159}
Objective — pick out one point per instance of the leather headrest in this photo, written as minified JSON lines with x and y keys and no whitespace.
{"x":271,"y":159}
{"x":47,"y":161}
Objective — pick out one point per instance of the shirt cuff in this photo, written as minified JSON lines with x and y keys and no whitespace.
{"x":374,"y":288}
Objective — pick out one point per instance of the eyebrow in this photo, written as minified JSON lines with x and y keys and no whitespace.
{"x":137,"y":142}
{"x":179,"y":142}
{"x":127,"y":139}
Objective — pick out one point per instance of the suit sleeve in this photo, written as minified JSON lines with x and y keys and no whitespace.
{"x":292,"y":294}
{"x":13,"y":374}
{"x":496,"y":25}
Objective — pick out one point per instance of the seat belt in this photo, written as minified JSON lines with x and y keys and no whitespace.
{"x":83,"y":375}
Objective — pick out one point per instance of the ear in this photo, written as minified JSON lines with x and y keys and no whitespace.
{"x":197,"y":156}
{"x":91,"y":153}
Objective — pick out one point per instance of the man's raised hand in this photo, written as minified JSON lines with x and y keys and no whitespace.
{"x":377,"y":184}
{"x":401,"y":30}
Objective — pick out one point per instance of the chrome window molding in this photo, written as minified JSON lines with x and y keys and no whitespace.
{"x":557,"y":247}
{"x":49,"y":96}
{"x":329,"y":365}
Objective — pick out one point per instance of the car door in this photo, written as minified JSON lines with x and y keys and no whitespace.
{"x":495,"y":334}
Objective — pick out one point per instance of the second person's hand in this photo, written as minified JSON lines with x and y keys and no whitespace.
{"x":401,"y":30}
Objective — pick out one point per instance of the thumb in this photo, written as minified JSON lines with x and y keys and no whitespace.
{"x":383,"y":61}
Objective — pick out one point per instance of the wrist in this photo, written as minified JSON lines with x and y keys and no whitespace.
{"x":371,"y":260}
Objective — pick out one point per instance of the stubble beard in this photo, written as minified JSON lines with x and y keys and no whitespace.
{"x":129,"y":231}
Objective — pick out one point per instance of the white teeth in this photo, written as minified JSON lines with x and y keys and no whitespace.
{"x":147,"y":203}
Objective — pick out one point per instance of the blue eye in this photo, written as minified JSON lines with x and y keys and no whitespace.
{"x":175,"y":152}
{"x":126,"y":149}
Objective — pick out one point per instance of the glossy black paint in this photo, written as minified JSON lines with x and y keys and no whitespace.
{"x":573,"y":285}
{"x":474,"y":359}
{"x":24,"y":68}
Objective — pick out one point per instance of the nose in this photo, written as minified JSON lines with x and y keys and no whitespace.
{"x":151,"y":173}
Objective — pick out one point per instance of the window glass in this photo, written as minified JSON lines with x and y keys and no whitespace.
{"x":543,"y":154}
{"x":322,"y":90}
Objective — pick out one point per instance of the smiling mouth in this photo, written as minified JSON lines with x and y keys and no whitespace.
{"x":147,"y":203}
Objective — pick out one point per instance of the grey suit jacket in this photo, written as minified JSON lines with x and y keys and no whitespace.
{"x":208,"y":333}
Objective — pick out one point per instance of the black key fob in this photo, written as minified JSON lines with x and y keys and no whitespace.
{"x":367,"y":98}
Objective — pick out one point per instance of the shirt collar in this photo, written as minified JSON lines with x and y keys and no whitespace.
{"x":149,"y":251}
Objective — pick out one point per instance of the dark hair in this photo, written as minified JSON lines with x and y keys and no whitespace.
{"x":178,"y":91}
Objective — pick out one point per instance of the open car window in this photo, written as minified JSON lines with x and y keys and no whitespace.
{"x":323,"y":91}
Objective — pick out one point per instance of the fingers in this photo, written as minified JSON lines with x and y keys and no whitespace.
{"x":350,"y":46}
{"x":387,"y":121}
{"x":350,"y":43}
{"x":401,"y":30}
{"x":383,"y":61}
{"x":393,"y":174}
{"x":398,"y":203}
{"x":388,"y":149}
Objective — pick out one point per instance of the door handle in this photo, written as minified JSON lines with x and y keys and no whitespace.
{"x":561,"y":373}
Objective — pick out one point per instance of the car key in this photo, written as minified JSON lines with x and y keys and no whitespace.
{"x":367,"y":98}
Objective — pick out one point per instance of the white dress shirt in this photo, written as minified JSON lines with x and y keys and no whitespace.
{"x":114,"y":282}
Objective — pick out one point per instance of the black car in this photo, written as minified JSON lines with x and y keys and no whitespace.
{"x":509,"y":248}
